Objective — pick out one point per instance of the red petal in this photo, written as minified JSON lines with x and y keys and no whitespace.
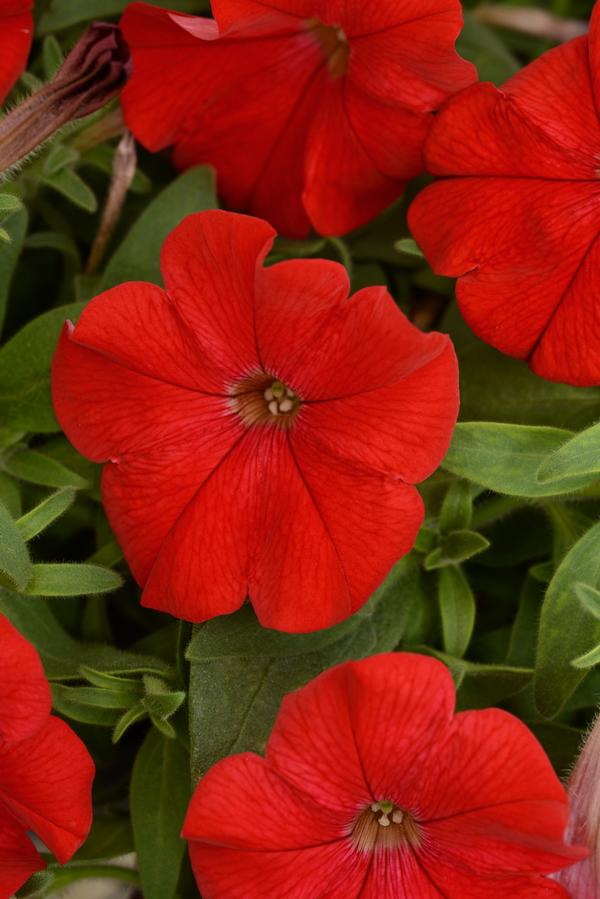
{"x":108,"y":410}
{"x":225,"y":89}
{"x":395,"y":874}
{"x":401,"y":155}
{"x":441,"y":18}
{"x":202,"y":567}
{"x":16,"y":34}
{"x":410,"y":60}
{"x":252,"y":834}
{"x":299,"y":580}
{"x":144,"y":495}
{"x":403,"y":429}
{"x":331,"y":871}
{"x":242,"y":803}
{"x":209,"y":263}
{"x":362,"y":731}
{"x":326,"y":346}
{"x":367,"y":535}
{"x":18,"y":857}
{"x":575,"y":324}
{"x":491,"y":802}
{"x":455,"y":883}
{"x":25,"y":701}
{"x":523,"y":247}
{"x":344,"y":188}
{"x":138,"y":327}
{"x":527,"y":129}
{"x":45,"y":782}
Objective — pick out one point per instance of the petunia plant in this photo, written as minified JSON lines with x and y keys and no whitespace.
{"x":299,"y":540}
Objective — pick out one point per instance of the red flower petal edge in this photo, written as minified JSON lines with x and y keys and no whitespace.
{"x":16,"y":34}
{"x":517,"y":216}
{"x":313,"y":113}
{"x":372,"y":786}
{"x":262,"y":431}
{"x":46,"y":772}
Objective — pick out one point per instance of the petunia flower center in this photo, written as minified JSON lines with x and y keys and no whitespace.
{"x":263,"y":399}
{"x":334,"y":43}
{"x":383,"y":825}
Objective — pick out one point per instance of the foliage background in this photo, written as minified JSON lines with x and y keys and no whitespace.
{"x":502,"y":585}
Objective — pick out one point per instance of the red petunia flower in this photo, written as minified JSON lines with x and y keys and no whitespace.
{"x":520,"y":223}
{"x":46,"y":772}
{"x":16,"y":34}
{"x":372,"y":787}
{"x":313,"y":112}
{"x":262,"y":431}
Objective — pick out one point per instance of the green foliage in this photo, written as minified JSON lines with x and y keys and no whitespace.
{"x":138,"y":256}
{"x":240,"y":672}
{"x":160,"y":792}
{"x":567,"y":629}
{"x":503,"y":585}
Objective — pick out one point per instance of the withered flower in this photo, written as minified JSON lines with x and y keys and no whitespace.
{"x":92,"y":74}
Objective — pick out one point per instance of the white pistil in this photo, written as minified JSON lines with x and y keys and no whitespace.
{"x":280,"y":399}
{"x":384,"y":821}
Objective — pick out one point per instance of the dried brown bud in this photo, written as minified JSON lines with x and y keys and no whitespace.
{"x":92,"y":74}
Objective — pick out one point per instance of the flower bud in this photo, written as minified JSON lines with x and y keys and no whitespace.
{"x":92,"y":74}
{"x":583,"y":879}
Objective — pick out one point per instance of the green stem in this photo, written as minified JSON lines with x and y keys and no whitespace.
{"x":83,"y":871}
{"x":343,"y":252}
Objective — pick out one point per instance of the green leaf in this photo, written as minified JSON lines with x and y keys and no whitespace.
{"x":408,"y":247}
{"x":159,"y":797}
{"x":160,"y":700}
{"x":138,"y":256}
{"x":456,"y":547}
{"x":58,"y":158}
{"x":25,"y":361}
{"x":51,"y":508}
{"x":35,"y":467}
{"x":479,"y":685}
{"x":567,"y":630}
{"x":52,"y":56}
{"x":494,"y":387}
{"x":9,"y":203}
{"x":457,"y":508}
{"x":110,"y":837}
{"x":521,"y":650}
{"x":578,"y":457}
{"x":68,"y":183}
{"x":16,"y":227}
{"x":71,"y":579}
{"x":457,"y":610}
{"x":65,"y":700}
{"x":240,"y":672}
{"x":14,"y":558}
{"x":131,"y":717}
{"x":62,"y":656}
{"x":482,"y":46}
{"x":62,"y":14}
{"x":96,"y":697}
{"x":505,"y":458}
{"x":589,"y":597}
{"x":588,"y":659}
{"x":54,"y":240}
